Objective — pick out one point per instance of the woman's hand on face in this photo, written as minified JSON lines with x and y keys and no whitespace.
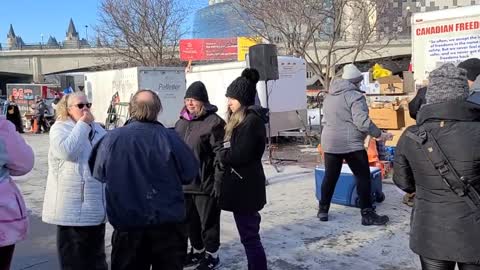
{"x":87,"y":117}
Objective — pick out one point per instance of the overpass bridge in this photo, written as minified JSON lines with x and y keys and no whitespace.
{"x":32,"y":65}
{"x":37,"y":63}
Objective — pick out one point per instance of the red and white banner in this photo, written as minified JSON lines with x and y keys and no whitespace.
{"x":208,"y":49}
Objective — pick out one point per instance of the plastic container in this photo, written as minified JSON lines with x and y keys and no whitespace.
{"x":346,"y":189}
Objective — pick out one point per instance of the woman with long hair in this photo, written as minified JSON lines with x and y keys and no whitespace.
{"x":243,"y":186}
{"x":74,"y":200}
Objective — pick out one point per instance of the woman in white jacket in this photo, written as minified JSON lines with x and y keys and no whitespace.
{"x":74,"y":200}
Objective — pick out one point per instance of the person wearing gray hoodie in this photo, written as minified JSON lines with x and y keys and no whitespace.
{"x":346,"y":124}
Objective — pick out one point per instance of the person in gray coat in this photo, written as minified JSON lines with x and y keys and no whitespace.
{"x":346,"y":124}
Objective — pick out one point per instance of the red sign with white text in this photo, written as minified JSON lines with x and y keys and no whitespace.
{"x":208,"y":49}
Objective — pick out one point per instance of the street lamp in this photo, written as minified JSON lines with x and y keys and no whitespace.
{"x":86,"y":33}
{"x":41,"y":44}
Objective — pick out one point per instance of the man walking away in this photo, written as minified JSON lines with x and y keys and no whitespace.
{"x":144,"y":166}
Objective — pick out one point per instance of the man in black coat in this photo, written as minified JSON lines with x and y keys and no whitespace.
{"x":144,"y":165}
{"x":444,"y":229}
{"x":201,"y":128}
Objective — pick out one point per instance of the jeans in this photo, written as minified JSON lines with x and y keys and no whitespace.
{"x":248,"y":225}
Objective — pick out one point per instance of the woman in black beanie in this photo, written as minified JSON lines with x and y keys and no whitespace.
{"x":243,"y":186}
{"x":201,"y":128}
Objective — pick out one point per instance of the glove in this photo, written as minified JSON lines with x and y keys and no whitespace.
{"x":385,"y":136}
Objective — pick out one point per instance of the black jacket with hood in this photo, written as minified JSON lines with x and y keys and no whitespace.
{"x":243,"y":186}
{"x":202,"y":134}
{"x":442,"y":224}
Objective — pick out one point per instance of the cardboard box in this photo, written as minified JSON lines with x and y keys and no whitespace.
{"x":396,"y":137}
{"x":373,"y":88}
{"x":388,"y":118}
{"x":391,"y":85}
{"x":408,"y":120}
{"x":408,"y":82}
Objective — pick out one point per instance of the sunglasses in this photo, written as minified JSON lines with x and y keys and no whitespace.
{"x":81,"y":105}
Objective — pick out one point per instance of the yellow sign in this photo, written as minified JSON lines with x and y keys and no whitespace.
{"x":244,"y":43}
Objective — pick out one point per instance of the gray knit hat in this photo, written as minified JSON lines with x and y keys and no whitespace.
{"x":447,"y":83}
{"x":352,"y":74}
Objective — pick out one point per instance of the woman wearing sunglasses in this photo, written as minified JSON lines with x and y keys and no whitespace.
{"x":74,"y":200}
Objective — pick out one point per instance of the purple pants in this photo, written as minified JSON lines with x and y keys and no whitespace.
{"x":248,"y":225}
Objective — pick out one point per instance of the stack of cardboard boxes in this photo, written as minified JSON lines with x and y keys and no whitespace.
{"x":392,"y":115}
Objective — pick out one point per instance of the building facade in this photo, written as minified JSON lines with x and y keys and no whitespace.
{"x":221,"y":19}
{"x":72,"y":41}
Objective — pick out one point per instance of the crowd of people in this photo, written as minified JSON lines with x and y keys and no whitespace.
{"x":163,"y":189}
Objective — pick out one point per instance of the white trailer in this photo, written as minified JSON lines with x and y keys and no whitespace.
{"x":167,"y":82}
{"x":450,"y":35}
{"x":287,"y":95}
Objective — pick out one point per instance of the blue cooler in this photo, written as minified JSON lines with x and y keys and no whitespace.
{"x":346,"y":189}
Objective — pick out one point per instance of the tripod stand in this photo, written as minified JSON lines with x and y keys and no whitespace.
{"x":272,"y":160}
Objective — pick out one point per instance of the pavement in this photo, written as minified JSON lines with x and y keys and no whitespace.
{"x":292,"y":235}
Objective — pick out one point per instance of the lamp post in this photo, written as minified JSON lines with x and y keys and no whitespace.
{"x":86,"y":33}
{"x":41,"y":43}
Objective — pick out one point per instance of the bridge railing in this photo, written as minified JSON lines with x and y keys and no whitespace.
{"x":38,"y":46}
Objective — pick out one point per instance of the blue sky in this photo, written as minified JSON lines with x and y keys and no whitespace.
{"x":32,"y":18}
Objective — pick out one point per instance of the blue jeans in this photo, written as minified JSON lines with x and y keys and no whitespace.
{"x":248,"y":225}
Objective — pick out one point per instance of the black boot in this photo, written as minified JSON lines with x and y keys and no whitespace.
{"x":370,"y":217}
{"x":322,"y":213}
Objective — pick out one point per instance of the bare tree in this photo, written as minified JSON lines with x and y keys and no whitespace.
{"x":324,"y":32}
{"x":142,"y":32}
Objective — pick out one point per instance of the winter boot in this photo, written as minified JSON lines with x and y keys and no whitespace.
{"x":370,"y":217}
{"x":322,"y":213}
{"x":193,"y":258}
{"x":209,"y":262}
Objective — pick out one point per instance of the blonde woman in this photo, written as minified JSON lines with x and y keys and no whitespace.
{"x":74,"y":200}
{"x":243,"y":186}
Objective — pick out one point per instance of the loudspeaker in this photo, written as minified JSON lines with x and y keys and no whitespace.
{"x":263,"y":57}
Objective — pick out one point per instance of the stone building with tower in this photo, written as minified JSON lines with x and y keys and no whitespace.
{"x":72,"y":41}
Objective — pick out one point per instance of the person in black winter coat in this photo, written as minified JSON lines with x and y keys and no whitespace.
{"x":243,"y":186}
{"x":202,"y":129}
{"x":144,"y":165}
{"x":444,"y":230}
{"x":14,"y":116}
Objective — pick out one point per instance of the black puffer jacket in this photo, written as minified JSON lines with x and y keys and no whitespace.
{"x":202,"y":134}
{"x":442,"y":224}
{"x":243,"y":186}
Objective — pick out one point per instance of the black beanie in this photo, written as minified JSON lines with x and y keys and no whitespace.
{"x":244,"y":88}
{"x":472,"y":66}
{"x":198,"y":91}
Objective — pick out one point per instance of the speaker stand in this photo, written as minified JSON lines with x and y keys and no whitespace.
{"x":273,"y":161}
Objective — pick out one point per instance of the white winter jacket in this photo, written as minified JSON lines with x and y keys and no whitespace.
{"x":72,"y":196}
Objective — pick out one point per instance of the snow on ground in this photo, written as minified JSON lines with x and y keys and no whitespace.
{"x":292,"y":235}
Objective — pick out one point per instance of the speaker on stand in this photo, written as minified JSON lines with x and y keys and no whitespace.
{"x":263,"y":58}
